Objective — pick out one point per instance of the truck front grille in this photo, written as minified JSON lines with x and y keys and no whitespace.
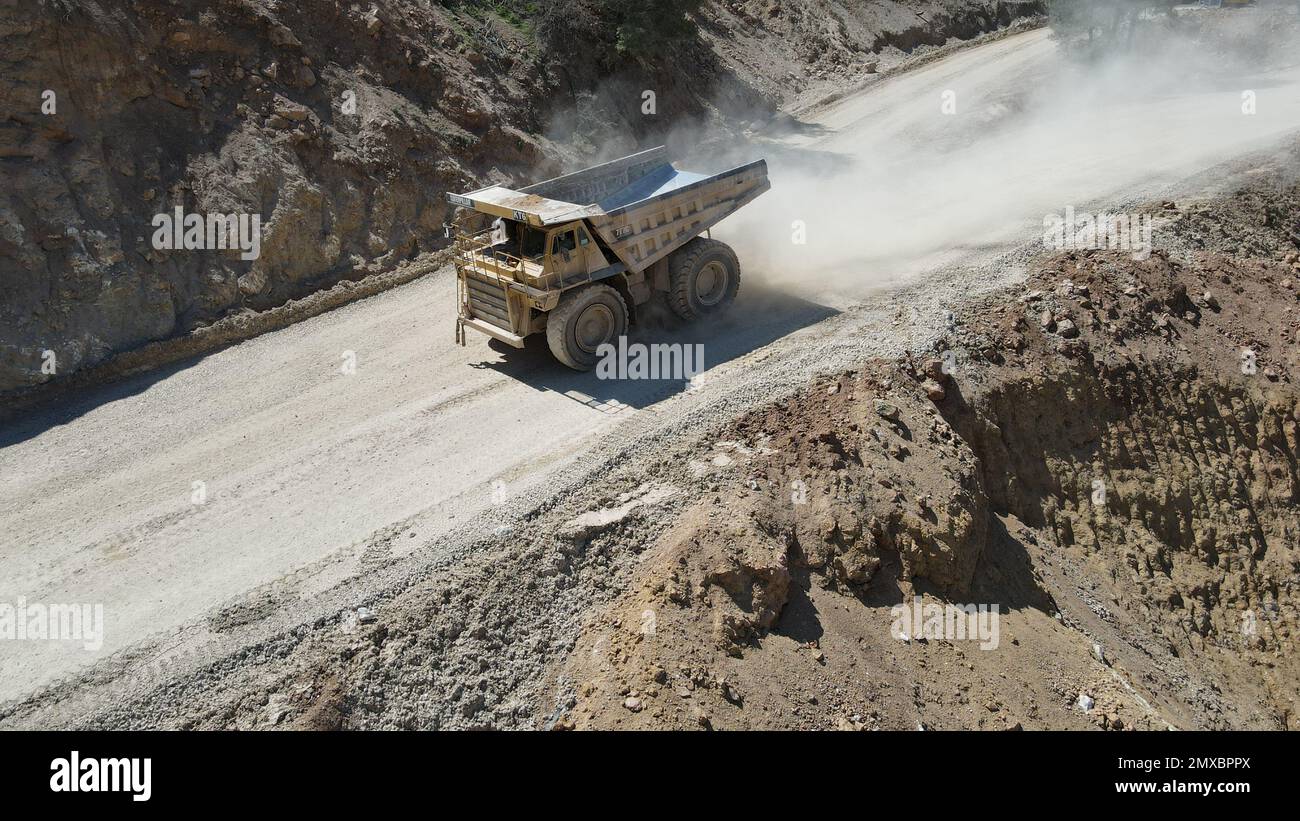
{"x":487,"y":301}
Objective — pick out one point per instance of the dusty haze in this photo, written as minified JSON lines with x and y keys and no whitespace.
{"x":899,"y":186}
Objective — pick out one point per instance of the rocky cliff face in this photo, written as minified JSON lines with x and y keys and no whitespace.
{"x":339,"y":128}
{"x":336,"y":127}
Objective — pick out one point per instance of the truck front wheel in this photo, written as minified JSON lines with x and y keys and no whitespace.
{"x":703,"y":278}
{"x":585,"y":319}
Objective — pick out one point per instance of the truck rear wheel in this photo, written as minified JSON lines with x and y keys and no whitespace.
{"x":703,"y":278}
{"x":584,"y":320}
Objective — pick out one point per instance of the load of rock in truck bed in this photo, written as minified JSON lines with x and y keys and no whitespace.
{"x":574,"y":256}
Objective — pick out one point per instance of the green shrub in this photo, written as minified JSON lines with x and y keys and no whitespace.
{"x":635,"y":28}
{"x":642,"y":26}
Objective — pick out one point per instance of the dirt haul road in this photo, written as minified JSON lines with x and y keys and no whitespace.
{"x":242,"y":488}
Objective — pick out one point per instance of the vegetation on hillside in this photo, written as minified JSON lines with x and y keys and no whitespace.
{"x":635,"y":28}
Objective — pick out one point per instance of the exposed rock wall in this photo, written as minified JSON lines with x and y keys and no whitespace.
{"x":339,"y":128}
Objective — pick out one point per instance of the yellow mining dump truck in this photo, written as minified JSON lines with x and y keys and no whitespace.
{"x":574,"y":256}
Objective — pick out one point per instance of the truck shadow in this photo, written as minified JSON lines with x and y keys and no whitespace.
{"x":759,"y":317}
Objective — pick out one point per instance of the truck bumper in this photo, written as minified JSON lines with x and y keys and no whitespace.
{"x":492,"y":331}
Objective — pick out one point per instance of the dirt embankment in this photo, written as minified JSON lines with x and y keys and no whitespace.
{"x":340,"y":126}
{"x":1110,"y":457}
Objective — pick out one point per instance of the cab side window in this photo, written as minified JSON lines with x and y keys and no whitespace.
{"x":564,"y":243}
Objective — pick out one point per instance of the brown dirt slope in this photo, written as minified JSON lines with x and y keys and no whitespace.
{"x":1109,"y":456}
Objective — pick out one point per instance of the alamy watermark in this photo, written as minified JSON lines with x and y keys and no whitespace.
{"x":127,"y":775}
{"x":1082,"y":231}
{"x":950,"y":622}
{"x":654,"y":361}
{"x":38,"y":621}
{"x":214,"y":232}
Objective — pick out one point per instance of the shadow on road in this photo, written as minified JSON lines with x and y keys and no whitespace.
{"x":65,"y":403}
{"x":758,"y":318}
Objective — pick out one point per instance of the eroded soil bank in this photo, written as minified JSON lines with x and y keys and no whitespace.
{"x":1108,"y":455}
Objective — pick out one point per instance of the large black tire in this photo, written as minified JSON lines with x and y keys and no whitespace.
{"x":585,"y":319}
{"x":703,"y":278}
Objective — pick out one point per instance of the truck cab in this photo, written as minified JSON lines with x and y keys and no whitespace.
{"x":572,"y":255}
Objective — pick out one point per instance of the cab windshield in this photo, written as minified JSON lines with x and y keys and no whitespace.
{"x":528,"y":243}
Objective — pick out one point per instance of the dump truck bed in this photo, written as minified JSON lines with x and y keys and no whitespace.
{"x":662,"y":211}
{"x":641,"y":206}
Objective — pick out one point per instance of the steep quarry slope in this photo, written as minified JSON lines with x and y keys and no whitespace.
{"x":340,"y":125}
{"x":1111,"y":458}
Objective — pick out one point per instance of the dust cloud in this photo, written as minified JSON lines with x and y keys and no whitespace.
{"x":959,"y":160}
